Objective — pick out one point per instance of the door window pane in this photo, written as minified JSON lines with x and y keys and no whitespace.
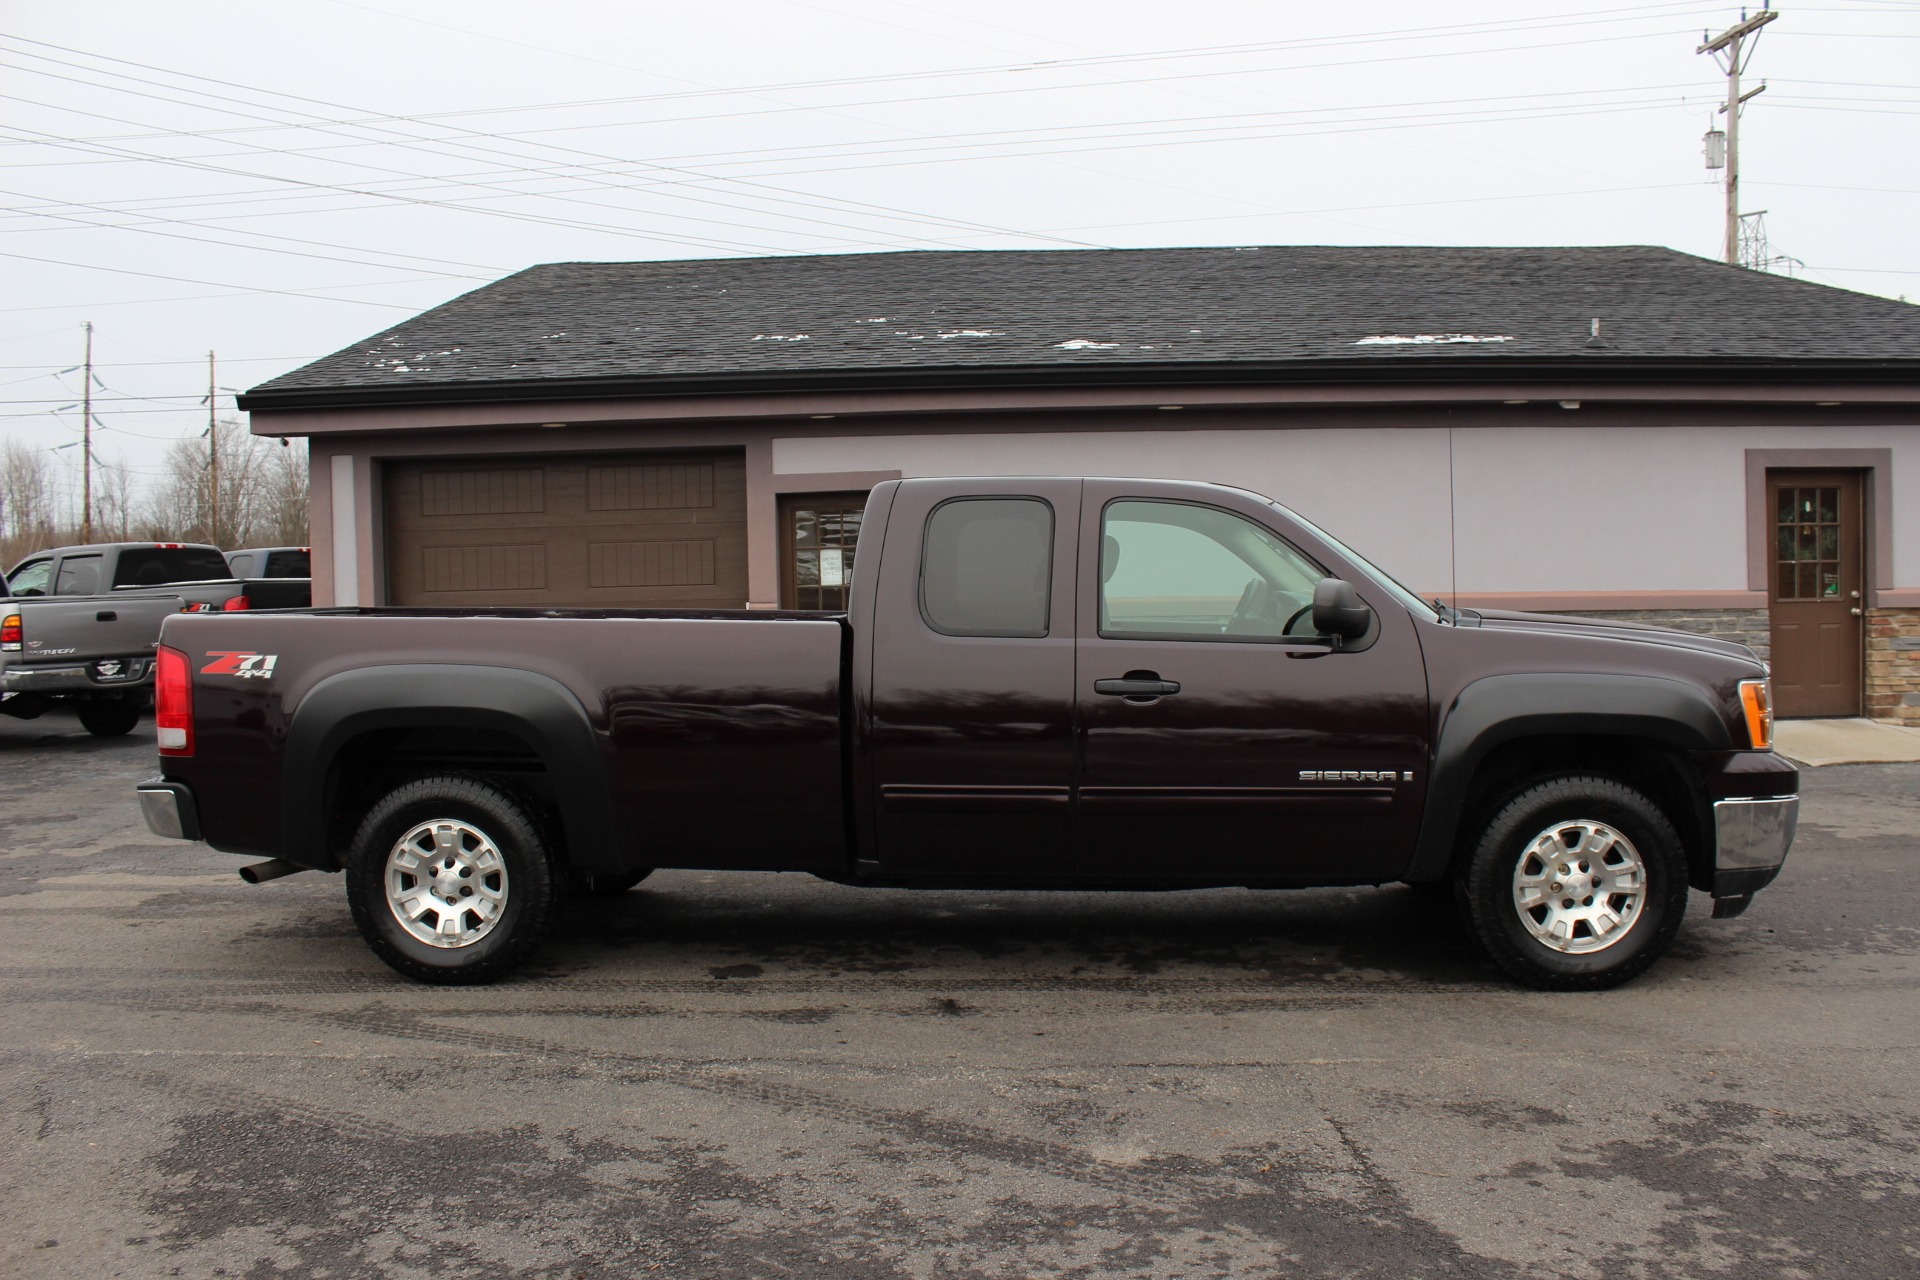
{"x":1807,"y":544}
{"x":1171,"y":569}
{"x":31,"y":580}
{"x":79,"y":576}
{"x":986,"y":567}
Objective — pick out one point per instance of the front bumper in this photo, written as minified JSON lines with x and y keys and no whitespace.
{"x":169,"y":809}
{"x":1751,"y":837}
{"x":107,"y":675}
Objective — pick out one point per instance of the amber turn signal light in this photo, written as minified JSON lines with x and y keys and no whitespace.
{"x":1756,"y":699}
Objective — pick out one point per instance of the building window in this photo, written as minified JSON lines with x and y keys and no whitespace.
{"x":818,"y":535}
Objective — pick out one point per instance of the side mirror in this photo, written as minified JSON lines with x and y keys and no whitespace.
{"x":1339,"y":611}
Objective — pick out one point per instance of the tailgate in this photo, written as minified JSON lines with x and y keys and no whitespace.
{"x":65,"y":632}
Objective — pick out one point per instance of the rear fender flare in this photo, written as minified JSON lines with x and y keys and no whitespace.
{"x":537,"y":709}
{"x":1500,"y":709}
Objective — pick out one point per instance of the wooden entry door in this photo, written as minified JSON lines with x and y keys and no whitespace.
{"x":1816,"y":605}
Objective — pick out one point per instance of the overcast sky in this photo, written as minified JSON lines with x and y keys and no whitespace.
{"x":276,"y":181}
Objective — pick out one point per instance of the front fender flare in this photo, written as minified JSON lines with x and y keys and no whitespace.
{"x":1501,"y":709}
{"x":537,"y":709}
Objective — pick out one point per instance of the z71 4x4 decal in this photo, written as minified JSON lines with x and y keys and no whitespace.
{"x":248,"y":666}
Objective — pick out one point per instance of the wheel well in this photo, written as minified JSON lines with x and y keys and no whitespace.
{"x":1662,"y":772}
{"x":374,"y":763}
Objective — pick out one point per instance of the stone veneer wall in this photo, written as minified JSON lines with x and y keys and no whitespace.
{"x":1893,"y":665}
{"x":1742,"y":626}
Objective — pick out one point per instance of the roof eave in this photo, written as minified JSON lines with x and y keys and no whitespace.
{"x":1401,"y":371}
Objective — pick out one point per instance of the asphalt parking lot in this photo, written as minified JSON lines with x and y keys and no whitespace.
{"x":761,"y":1076}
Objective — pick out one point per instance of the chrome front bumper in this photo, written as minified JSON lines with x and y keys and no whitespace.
{"x":1752,"y":836}
{"x":169,"y":809}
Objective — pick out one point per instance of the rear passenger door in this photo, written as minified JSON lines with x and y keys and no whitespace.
{"x":971,"y":718}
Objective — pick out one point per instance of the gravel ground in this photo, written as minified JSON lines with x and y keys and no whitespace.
{"x":762,"y":1075}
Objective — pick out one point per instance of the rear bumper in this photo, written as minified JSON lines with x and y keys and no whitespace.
{"x":1751,"y":837}
{"x":79,"y":677}
{"x":169,"y":809}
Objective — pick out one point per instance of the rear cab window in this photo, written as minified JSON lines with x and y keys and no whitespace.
{"x":79,"y":576}
{"x":158,"y":566}
{"x":986,"y":567}
{"x":289,"y":564}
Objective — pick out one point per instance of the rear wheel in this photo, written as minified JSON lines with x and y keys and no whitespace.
{"x":451,"y":882}
{"x":1577,"y":884}
{"x":110,"y":717}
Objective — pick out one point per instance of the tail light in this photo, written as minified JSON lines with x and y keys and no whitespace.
{"x":235,"y":604}
{"x":173,"y":702}
{"x":10,"y":633}
{"x":1756,"y":699}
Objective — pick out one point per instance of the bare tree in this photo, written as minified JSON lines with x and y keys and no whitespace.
{"x":281,"y":511}
{"x":112,"y":499}
{"x":27,"y":505}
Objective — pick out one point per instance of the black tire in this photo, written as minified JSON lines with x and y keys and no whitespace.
{"x":526,"y":884}
{"x":1489,"y":891}
{"x":110,"y":717}
{"x":584,"y":884}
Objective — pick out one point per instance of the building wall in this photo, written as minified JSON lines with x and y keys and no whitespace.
{"x":1547,"y":510}
{"x":1893,"y":665}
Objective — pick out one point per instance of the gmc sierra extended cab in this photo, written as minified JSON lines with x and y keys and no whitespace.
{"x":1039,"y":682}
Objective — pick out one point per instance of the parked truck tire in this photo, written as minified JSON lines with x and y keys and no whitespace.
{"x":111,"y":717}
{"x":451,"y":881}
{"x":1577,"y":883}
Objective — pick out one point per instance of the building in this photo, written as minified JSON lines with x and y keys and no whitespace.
{"x":1621,"y":430}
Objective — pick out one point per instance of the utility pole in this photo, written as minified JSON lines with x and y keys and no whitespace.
{"x":1733,"y":43}
{"x":86,"y":442}
{"x":213,"y":456}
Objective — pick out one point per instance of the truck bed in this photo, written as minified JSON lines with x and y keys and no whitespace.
{"x":732,"y":755}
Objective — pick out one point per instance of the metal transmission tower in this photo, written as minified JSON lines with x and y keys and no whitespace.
{"x":1732,"y":50}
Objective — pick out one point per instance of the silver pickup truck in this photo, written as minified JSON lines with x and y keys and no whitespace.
{"x":78,"y":625}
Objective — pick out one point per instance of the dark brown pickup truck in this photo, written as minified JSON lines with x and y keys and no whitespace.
{"x":1039,"y":682}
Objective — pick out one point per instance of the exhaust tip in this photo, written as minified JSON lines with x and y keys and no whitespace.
{"x":271,"y":869}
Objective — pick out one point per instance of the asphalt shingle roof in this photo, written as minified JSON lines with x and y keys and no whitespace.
{"x":1128,"y":312}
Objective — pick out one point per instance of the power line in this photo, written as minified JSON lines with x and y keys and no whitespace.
{"x":289,"y":293}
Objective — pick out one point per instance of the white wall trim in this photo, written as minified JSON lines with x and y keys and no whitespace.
{"x":346,"y":548}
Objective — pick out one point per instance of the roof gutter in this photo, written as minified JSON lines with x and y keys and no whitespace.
{"x":1425,"y":369}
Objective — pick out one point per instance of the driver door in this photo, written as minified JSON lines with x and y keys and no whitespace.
{"x":1201,"y":713}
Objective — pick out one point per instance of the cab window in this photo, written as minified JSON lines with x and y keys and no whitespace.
{"x":986,"y":567}
{"x":79,"y":576}
{"x":1176,"y":570}
{"x":31,"y":579}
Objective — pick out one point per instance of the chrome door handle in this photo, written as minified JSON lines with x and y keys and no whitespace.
{"x":1855,"y":611}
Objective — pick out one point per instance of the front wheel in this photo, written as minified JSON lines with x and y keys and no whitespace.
{"x":1578,"y":883}
{"x":451,"y":882}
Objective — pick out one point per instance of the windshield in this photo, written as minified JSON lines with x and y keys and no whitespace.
{"x":1392,"y":585}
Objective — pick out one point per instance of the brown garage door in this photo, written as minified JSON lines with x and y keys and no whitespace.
{"x":609,"y":531}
